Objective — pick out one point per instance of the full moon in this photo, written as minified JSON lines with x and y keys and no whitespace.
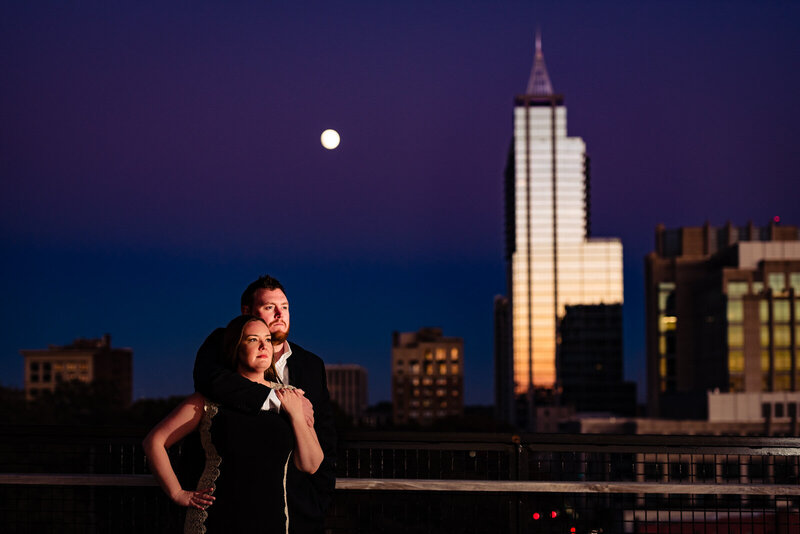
{"x":330,"y":139}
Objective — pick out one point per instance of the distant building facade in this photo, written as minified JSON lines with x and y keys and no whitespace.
{"x":87,"y":360}
{"x":427,"y":376}
{"x":347,"y":384}
{"x":590,"y":366}
{"x":722,"y":313}
{"x":504,"y":398}
{"x":729,"y":414}
{"x":552,"y":260}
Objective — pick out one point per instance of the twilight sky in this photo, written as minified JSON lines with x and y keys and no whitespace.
{"x":155,"y":159}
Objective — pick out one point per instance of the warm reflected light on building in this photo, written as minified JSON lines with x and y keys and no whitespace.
{"x":552,"y":261}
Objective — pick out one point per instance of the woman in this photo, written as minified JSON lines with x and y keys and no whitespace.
{"x":246,"y":455}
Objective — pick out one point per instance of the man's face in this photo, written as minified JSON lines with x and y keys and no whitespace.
{"x":272,"y":306}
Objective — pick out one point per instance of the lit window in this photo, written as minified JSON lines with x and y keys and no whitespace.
{"x":441,"y":354}
{"x":783,"y":360}
{"x":454,"y":351}
{"x":736,"y":361}
{"x":764,"y":336}
{"x":735,"y":311}
{"x":782,"y":335}
{"x":765,"y":361}
{"x":777,"y":282}
{"x":780,"y":311}
{"x":735,"y":336}
{"x":794,"y":282}
{"x":737,"y":289}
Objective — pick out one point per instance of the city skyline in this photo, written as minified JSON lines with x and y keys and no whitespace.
{"x":146,"y":147}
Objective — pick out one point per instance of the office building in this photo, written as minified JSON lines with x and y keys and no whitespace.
{"x":552,"y":260}
{"x":347,"y":384}
{"x":427,"y":376}
{"x":722,"y":313}
{"x":87,"y":360}
{"x":590,"y":367}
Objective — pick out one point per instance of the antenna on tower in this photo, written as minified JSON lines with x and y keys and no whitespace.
{"x":539,"y":82}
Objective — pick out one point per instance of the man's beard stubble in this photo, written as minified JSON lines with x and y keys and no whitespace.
{"x":279,"y":337}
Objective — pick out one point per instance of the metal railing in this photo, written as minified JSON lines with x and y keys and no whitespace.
{"x":89,"y":480}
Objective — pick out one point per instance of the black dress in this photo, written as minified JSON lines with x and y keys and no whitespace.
{"x":247,"y":457}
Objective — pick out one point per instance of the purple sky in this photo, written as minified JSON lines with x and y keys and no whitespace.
{"x":154,"y":160}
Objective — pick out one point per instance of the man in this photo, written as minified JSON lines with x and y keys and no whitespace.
{"x":308,"y":496}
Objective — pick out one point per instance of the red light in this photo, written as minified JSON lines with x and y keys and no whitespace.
{"x":572,"y":529}
{"x":535,"y":515}
{"x":553,"y":514}
{"x":777,"y":218}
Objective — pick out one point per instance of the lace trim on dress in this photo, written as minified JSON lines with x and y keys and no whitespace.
{"x":195,"y":518}
{"x":285,"y":502}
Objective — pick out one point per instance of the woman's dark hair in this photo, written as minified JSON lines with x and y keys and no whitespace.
{"x":233,"y":338}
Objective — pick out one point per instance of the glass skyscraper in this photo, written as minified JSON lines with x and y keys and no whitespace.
{"x":551,"y":260}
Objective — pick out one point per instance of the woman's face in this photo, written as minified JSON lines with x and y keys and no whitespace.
{"x":255,"y":350}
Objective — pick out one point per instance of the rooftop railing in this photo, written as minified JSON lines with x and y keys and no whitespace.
{"x":64,"y":480}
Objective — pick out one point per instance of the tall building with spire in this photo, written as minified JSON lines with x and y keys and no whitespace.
{"x":552,"y":261}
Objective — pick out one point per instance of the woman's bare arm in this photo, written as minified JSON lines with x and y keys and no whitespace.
{"x":308,"y":454}
{"x":183,"y":420}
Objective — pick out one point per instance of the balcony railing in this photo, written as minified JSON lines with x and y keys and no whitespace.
{"x":88,"y":480}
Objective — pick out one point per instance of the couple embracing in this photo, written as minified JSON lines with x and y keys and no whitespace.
{"x":263,"y":412}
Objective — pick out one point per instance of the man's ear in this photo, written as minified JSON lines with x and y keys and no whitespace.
{"x":245,"y":310}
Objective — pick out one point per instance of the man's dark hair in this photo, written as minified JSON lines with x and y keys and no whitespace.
{"x":263,"y":282}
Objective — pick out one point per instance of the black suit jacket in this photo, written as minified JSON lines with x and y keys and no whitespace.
{"x":308,"y":496}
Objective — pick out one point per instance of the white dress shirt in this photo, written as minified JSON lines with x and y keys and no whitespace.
{"x":272,"y":403}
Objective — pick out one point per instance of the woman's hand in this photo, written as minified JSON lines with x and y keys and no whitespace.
{"x":296,"y":405}
{"x":308,"y":454}
{"x":200,"y":499}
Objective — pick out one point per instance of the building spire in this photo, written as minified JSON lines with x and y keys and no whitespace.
{"x":539,"y":82}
